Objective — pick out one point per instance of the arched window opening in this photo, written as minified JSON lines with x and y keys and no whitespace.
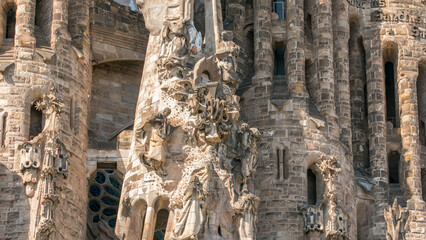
{"x":421,"y":101}
{"x":390,"y":60}
{"x":36,"y":121}
{"x":278,"y":8}
{"x":104,"y":197}
{"x":390,"y":93}
{"x":279,"y":65}
{"x":312,"y":187}
{"x":10,"y":24}
{"x":393,"y":162}
{"x":161,"y":224}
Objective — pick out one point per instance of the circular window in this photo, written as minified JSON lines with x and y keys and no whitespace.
{"x":104,"y":197}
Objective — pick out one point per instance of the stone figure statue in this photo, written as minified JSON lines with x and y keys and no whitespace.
{"x":191,"y":217}
{"x":158,"y":129}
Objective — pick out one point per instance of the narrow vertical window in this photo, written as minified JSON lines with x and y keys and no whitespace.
{"x":421,"y":102}
{"x":76,"y":113}
{"x":312,"y":187}
{"x":390,"y":94}
{"x":279,"y":66}
{"x":10,"y":24}
{"x":3,"y":130}
{"x":393,"y":161}
{"x":278,"y":164}
{"x":278,"y":8}
{"x":71,"y":116}
{"x":283,"y":164}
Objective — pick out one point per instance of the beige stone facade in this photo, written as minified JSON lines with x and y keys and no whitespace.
{"x":213,"y":119}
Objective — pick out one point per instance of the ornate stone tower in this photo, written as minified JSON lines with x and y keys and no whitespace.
{"x":44,"y":89}
{"x":191,"y":161}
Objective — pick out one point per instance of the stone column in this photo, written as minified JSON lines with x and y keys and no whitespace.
{"x":263,"y":41}
{"x":59,"y":21}
{"x":149,"y":224}
{"x":295,"y":51}
{"x":323,"y":45}
{"x":24,"y":33}
{"x":407,"y":94}
{"x":341,"y":66}
{"x":377,"y":129}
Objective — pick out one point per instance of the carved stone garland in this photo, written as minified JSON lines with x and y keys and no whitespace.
{"x":42,"y":161}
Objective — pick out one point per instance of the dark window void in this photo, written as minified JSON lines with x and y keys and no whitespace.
{"x":422,"y":133}
{"x":161,"y":224}
{"x":3,"y":130}
{"x":36,"y":121}
{"x":279,"y":67}
{"x":278,"y":8}
{"x":10,"y":24}
{"x":312,"y":188}
{"x":308,"y":27}
{"x":390,"y":94}
{"x":424,"y":184}
{"x":393,"y":160}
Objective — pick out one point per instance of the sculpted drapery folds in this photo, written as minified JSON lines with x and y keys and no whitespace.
{"x":197,"y":104}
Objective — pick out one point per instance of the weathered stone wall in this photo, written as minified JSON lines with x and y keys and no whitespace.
{"x":113,"y":101}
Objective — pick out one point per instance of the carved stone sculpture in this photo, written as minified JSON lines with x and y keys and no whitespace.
{"x":396,"y":218}
{"x":205,"y":169}
{"x":336,"y":222}
{"x":313,"y":218}
{"x":43,"y":160}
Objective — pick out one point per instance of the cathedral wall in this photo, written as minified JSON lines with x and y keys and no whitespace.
{"x":113,"y":101}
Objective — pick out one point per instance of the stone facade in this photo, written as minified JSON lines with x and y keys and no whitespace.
{"x":212,"y":119}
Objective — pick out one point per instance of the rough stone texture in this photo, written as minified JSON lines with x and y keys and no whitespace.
{"x":102,"y":58}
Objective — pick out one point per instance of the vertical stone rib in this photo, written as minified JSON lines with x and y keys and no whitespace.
{"x":262,"y":40}
{"x":323,"y":35}
{"x":377,"y":129}
{"x":25,"y":12}
{"x":407,"y":93}
{"x":341,"y":66}
{"x":295,"y":51}
{"x":59,"y":20}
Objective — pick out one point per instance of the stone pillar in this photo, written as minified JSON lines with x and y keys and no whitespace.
{"x":209,"y":38}
{"x":341,"y":66}
{"x":59,"y":21}
{"x":149,"y":224}
{"x":295,"y":51}
{"x":407,"y":94}
{"x":24,"y":33}
{"x":262,"y":41}
{"x":377,"y":130}
{"x":323,"y":45}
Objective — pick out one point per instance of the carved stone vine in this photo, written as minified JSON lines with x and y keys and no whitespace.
{"x":43,"y":160}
